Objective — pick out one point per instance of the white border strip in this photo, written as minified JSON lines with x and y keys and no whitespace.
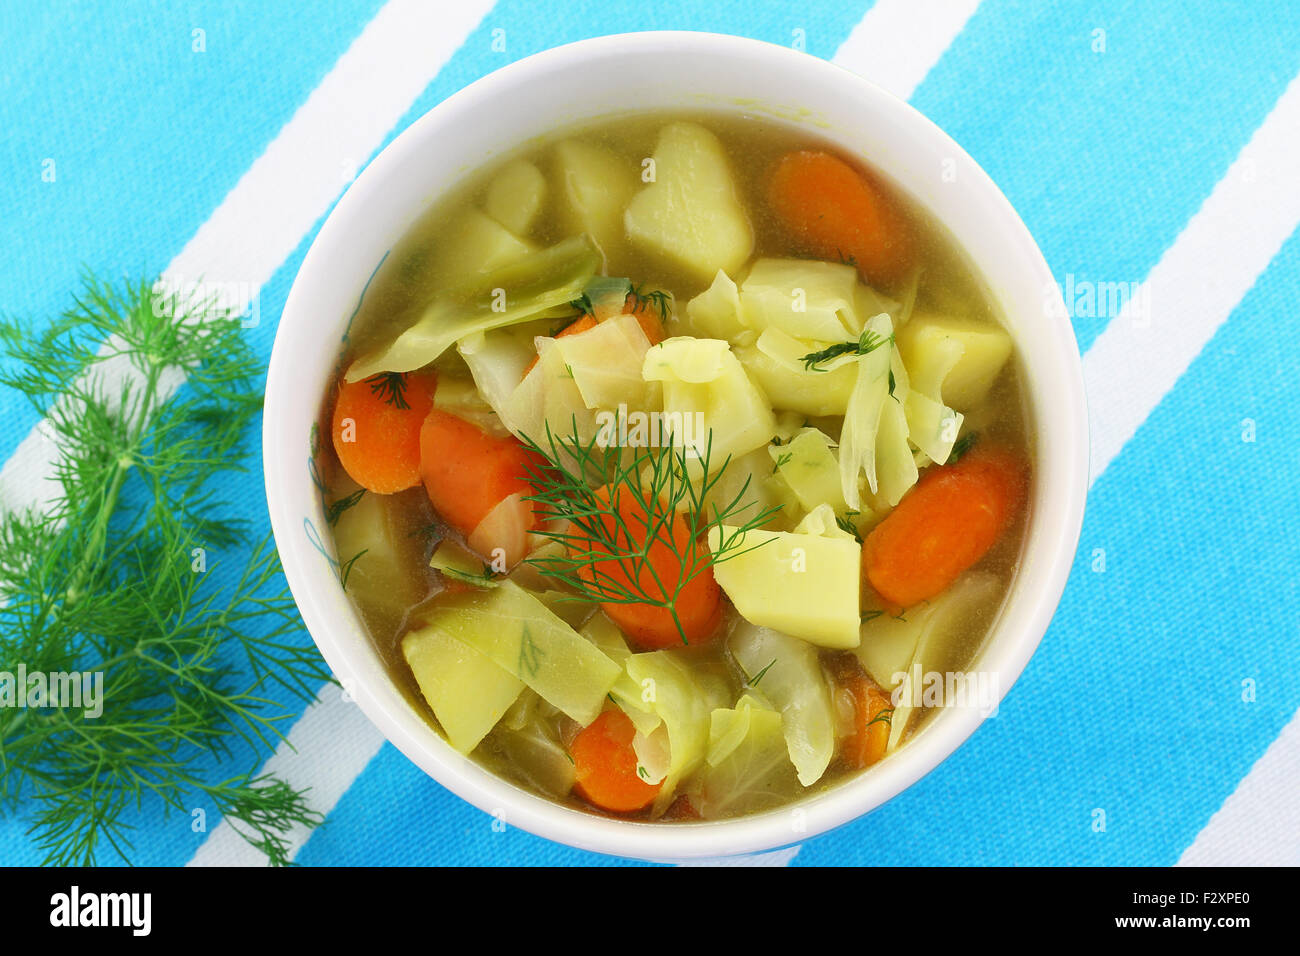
{"x":898,"y":42}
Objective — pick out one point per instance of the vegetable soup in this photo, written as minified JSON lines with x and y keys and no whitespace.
{"x":672,"y":459}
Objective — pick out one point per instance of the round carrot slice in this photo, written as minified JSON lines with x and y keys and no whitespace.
{"x":872,"y":710}
{"x":376,"y":429}
{"x":697,"y":604}
{"x":606,"y":765}
{"x":647,"y":316}
{"x":468,"y":472}
{"x":946,"y":523}
{"x":838,"y":212}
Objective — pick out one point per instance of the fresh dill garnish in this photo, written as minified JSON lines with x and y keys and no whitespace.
{"x":778,"y":441}
{"x":783,"y":459}
{"x":583,"y":304}
{"x":658,"y":301}
{"x":866,"y":343}
{"x":390,"y":387}
{"x":846,"y":525}
{"x":886,"y":716}
{"x":892,"y":384}
{"x":642,"y":772}
{"x":870,"y":615}
{"x":345,"y":569}
{"x":336,"y":509}
{"x":113,"y":575}
{"x":900,"y":616}
{"x":587,"y":489}
{"x":961,"y":446}
{"x":849,"y":260}
{"x":753,"y":681}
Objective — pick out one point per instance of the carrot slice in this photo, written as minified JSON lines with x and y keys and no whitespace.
{"x":838,"y":212}
{"x":646,"y":317}
{"x":376,"y":429}
{"x":573,"y":328}
{"x":605,"y":765}
{"x":945,"y":524}
{"x":468,"y":472}
{"x":872,"y":710}
{"x":698,"y":605}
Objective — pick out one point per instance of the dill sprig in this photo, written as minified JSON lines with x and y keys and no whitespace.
{"x":612,"y":506}
{"x":866,"y":343}
{"x":846,"y":524}
{"x":340,"y":505}
{"x":961,"y":446}
{"x":112,"y":576}
{"x":658,"y":301}
{"x":390,"y":387}
{"x":753,"y":681}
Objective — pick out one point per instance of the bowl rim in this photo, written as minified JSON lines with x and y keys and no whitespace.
{"x":813,"y":814}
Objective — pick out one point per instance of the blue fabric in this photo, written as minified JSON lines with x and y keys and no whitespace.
{"x":1105,"y":155}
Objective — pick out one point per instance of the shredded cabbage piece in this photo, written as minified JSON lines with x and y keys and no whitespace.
{"x":933,"y":427}
{"x":803,"y":298}
{"x":703,"y":380}
{"x":715,"y":312}
{"x":653,"y":754}
{"x":896,"y":469}
{"x":605,"y":364}
{"x":862,"y":419}
{"x":627,"y":694}
{"x":517,"y":632}
{"x":749,"y":765}
{"x":793,"y":681}
{"x":506,"y":296}
{"x":898,"y":652}
{"x":808,"y":466}
{"x":549,"y":399}
{"x":496,"y":361}
{"x":683,"y":699}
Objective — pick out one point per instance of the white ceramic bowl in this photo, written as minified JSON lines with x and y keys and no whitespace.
{"x":668,"y":71}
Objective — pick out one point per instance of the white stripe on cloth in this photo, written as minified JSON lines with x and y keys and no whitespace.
{"x":1138,"y":359}
{"x":306,"y":166}
{"x":331,"y":744}
{"x":897,"y":42}
{"x":288,"y":188}
{"x":1197,"y":283}
{"x":1259,"y":823}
